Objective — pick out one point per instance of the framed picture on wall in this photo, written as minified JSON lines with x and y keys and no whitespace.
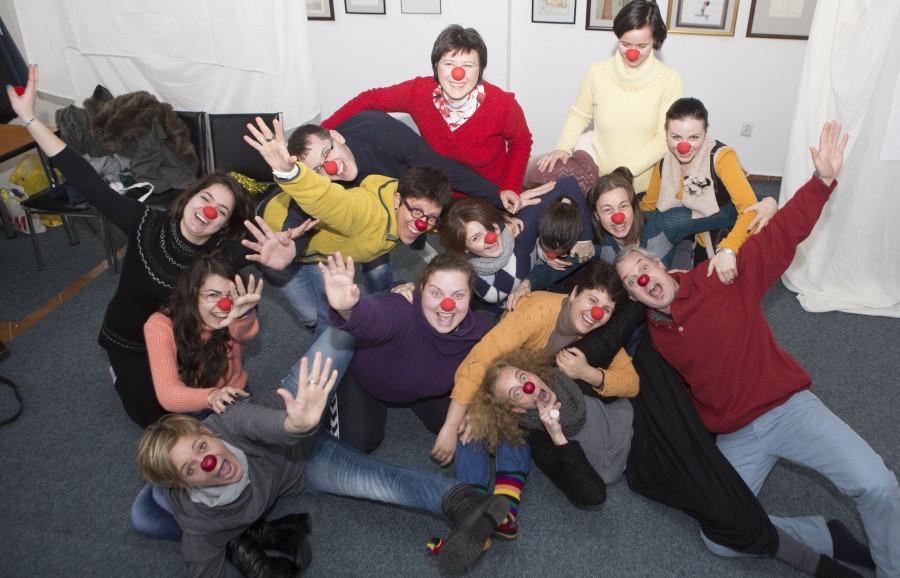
{"x":791,"y":19}
{"x":714,"y":17}
{"x":320,"y":9}
{"x":553,"y":11}
{"x":601,"y":13}
{"x":420,"y":6}
{"x":364,"y":6}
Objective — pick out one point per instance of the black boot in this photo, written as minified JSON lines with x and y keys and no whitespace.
{"x":251,"y":560}
{"x":287,"y":535}
{"x":829,"y":568}
{"x":473,"y":516}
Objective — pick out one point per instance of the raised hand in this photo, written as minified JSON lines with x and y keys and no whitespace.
{"x":829,"y":157}
{"x":270,"y":144}
{"x":274,"y":250}
{"x":342,"y":292}
{"x":304,"y":410}
{"x":247,"y":298}
{"x":551,"y":424}
{"x":24,"y":105}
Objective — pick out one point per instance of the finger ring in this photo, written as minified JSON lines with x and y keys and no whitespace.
{"x":312,"y":382}
{"x":270,"y":138}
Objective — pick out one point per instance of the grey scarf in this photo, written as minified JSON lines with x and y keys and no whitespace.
{"x":490,"y":265}
{"x":220,"y":495}
{"x":572,"y":411}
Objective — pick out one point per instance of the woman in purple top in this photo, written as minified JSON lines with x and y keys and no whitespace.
{"x":406,"y":352}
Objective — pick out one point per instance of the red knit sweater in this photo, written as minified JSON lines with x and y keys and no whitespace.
{"x":495,"y":141}
{"x":719,"y":339}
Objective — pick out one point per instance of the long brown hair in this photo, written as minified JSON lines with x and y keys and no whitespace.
{"x":462,"y":211}
{"x":243,"y":207}
{"x":492,"y":419}
{"x":619,"y":178}
{"x":201,"y":363}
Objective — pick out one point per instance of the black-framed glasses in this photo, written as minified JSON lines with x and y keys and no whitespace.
{"x":420,"y":214}
{"x":213,"y":296}
{"x":320,"y":169}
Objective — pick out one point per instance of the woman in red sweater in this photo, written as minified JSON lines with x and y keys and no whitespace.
{"x":458,"y":114}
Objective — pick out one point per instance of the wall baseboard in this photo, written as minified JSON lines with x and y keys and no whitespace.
{"x":772,"y":178}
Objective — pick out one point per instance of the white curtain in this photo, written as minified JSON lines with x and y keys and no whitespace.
{"x":215,"y":55}
{"x":851,"y":261}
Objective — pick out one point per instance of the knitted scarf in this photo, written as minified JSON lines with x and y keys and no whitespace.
{"x":564,"y":333}
{"x":490,"y":265}
{"x":698,"y":193}
{"x":572,"y":410}
{"x":457,"y":114}
{"x":220,"y":495}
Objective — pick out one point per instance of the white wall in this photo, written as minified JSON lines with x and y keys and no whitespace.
{"x":738,"y":78}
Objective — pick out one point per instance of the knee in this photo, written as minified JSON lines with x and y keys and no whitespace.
{"x":718,"y":549}
{"x":880,"y":486}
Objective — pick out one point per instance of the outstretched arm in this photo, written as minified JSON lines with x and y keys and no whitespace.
{"x":24,"y":108}
{"x":342,"y":292}
{"x":304,"y":410}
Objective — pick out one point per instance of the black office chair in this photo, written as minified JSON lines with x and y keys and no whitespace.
{"x":228,"y":150}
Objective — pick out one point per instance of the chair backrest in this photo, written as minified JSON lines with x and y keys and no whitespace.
{"x":196,"y":122}
{"x":229,"y":151}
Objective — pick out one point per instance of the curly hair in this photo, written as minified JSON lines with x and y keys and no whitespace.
{"x":201,"y":363}
{"x":491,"y":417}
{"x":153,"y":458}
{"x":243,"y":207}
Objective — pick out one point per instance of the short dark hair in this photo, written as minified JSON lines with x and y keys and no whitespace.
{"x":685,"y":108}
{"x":601,"y":275}
{"x":298,"y":144}
{"x":455,"y":38}
{"x":560,"y":226}
{"x":426,"y":183}
{"x":619,"y":178}
{"x":637,"y":14}
{"x":462,"y":211}
{"x":447,"y":262}
{"x":243,"y":206}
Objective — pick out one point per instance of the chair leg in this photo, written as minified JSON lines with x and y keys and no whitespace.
{"x":29,"y":217}
{"x":112,"y":260}
{"x":71,"y":233}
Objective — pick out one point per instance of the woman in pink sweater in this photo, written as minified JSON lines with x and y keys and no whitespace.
{"x":196,"y":340}
{"x":458,"y":114}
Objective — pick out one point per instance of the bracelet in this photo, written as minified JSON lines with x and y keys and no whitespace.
{"x":29,"y":121}
{"x":726,"y":250}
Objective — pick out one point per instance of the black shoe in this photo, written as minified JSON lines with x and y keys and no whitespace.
{"x":829,"y":568}
{"x":473,"y":515}
{"x":286,"y":535}
{"x":4,"y":351}
{"x":847,"y":548}
{"x":252,"y":561}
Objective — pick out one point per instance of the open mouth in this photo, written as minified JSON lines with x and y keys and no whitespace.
{"x":588,"y":320}
{"x":543,"y":396}
{"x":655,"y":290}
{"x":226,"y":470}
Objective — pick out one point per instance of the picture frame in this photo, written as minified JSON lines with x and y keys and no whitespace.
{"x":787,"y":19}
{"x":709,"y":17}
{"x":601,"y":13}
{"x":320,"y":10}
{"x":420,"y":6}
{"x":364,"y":6}
{"x":553,"y":11}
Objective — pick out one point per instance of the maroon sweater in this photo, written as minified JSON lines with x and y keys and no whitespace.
{"x":495,"y":141}
{"x":719,"y":339}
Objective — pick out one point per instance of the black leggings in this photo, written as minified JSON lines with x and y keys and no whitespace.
{"x":362,"y":417}
{"x":134,"y":384}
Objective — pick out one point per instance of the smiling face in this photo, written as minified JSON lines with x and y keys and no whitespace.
{"x":333,"y":149}
{"x":455,"y":91}
{"x":581,"y":304}
{"x":611,"y":203}
{"x":195,"y":225}
{"x":188,"y":452}
{"x":475,"y":233}
{"x":660,"y":290}
{"x":406,"y":221}
{"x":685,"y":130}
{"x":213,"y":289}
{"x":441,"y":285}
{"x":510,"y":387}
{"x":640,"y":39}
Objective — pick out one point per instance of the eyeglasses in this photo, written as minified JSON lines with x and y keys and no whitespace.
{"x":420,"y":214}
{"x":212,"y":296}
{"x":321,"y":168}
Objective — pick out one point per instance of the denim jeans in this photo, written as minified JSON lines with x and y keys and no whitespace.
{"x":334,"y":343}
{"x":152,"y":516}
{"x":804,"y":431}
{"x":336,"y":467}
{"x":473,"y":466}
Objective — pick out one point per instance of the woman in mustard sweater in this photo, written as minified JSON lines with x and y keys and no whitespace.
{"x":626,"y":96}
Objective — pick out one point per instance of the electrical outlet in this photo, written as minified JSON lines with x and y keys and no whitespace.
{"x":747,"y":128}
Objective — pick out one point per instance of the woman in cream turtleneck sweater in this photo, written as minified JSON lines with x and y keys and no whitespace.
{"x":626,"y":96}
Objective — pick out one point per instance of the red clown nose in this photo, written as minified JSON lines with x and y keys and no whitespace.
{"x":618,"y":218}
{"x":330,"y":167}
{"x":458,"y":73}
{"x":643,"y":280}
{"x":597,"y":313}
{"x":632,"y":54}
{"x":421,"y":225}
{"x":19,"y":90}
{"x":224,"y":304}
{"x":684,"y":148}
{"x":490,"y":238}
{"x":448,"y":305}
{"x":528,"y":387}
{"x":210,"y":213}
{"x":551,"y":255}
{"x":209,"y":463}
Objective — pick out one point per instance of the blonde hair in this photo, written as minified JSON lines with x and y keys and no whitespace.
{"x":492,"y":418}
{"x":153,"y":458}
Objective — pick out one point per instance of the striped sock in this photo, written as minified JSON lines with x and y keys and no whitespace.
{"x":509,"y":484}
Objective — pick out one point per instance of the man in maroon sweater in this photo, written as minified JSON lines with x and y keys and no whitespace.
{"x":750,"y":391}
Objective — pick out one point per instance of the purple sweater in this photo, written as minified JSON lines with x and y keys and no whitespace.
{"x":400,"y":358}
